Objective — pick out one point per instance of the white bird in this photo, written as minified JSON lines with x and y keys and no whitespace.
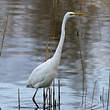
{"x":43,"y":75}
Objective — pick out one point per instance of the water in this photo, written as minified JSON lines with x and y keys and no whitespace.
{"x":31,"y":23}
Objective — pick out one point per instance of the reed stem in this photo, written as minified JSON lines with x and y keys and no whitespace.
{"x":108,"y":93}
{"x":53,"y":94}
{"x":50,"y":97}
{"x":59,"y":94}
{"x":18,"y":99}
{"x":93,"y":93}
{"x":4,"y":33}
{"x":44,"y":98}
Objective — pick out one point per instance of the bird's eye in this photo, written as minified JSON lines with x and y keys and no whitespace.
{"x":71,"y":14}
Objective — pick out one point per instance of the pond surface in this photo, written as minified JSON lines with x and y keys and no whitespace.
{"x":31,"y":24}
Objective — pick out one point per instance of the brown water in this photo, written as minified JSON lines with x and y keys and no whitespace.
{"x":31,"y":24}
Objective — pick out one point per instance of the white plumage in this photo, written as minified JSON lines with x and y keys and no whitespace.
{"x":43,"y":75}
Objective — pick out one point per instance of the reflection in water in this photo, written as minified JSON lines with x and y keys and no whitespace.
{"x":31,"y":24}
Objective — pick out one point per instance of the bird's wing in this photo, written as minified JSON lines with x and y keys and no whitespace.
{"x":36,"y":76}
{"x":39,"y":73}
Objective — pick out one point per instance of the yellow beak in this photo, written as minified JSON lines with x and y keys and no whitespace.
{"x":79,"y":13}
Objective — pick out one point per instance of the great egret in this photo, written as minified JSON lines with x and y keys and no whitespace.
{"x":43,"y":75}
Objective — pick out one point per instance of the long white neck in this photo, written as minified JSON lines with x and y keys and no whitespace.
{"x":57,"y":55}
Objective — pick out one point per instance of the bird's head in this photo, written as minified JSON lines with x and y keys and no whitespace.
{"x":72,"y":14}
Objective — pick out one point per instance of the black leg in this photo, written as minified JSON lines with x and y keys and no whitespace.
{"x":33,"y":98}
